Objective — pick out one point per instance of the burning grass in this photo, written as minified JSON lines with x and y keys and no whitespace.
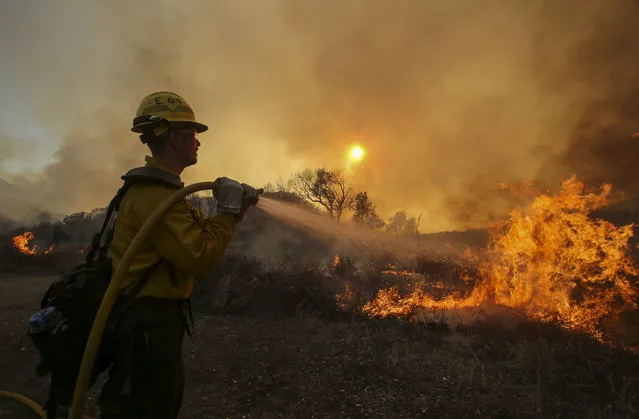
{"x":24,"y":243}
{"x":552,"y":262}
{"x":49,"y":246}
{"x":500,"y":366}
{"x":25,"y":251}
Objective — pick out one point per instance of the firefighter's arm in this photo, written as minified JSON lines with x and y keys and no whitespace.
{"x":194,"y":246}
{"x":197,"y":215}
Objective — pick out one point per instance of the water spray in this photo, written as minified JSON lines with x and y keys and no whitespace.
{"x":358,"y":238}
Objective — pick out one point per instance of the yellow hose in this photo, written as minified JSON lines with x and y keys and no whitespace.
{"x":24,"y":400}
{"x":95,"y":337}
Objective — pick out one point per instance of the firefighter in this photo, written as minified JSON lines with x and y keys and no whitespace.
{"x":147,"y":377}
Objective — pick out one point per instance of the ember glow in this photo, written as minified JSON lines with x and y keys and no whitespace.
{"x":550,"y":260}
{"x":336,"y":261}
{"x":393,"y":270}
{"x":24,"y":243}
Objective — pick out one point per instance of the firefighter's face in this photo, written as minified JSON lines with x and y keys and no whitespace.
{"x":185,"y":144}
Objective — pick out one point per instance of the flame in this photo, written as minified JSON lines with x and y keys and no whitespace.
{"x":551,"y":261}
{"x":24,"y":243}
{"x":346,"y":298}
{"x":336,"y":261}
{"x":392,"y":270}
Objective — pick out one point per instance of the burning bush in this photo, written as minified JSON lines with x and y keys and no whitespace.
{"x":24,"y":243}
{"x":552,"y":261}
{"x":49,"y":246}
{"x":19,"y":254}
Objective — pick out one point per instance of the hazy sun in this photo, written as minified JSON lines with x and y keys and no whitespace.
{"x":356,"y":153}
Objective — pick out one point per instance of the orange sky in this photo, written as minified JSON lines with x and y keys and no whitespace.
{"x":447,"y":98}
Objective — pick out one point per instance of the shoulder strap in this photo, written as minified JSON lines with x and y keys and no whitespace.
{"x":138,"y":175}
{"x":147,"y":174}
{"x":114,"y":206}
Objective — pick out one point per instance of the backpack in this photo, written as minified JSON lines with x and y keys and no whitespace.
{"x":61,"y":328}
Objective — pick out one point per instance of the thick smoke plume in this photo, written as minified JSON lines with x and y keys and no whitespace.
{"x":448,"y":98}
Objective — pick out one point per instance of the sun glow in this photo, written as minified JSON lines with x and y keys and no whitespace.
{"x":356,"y":153}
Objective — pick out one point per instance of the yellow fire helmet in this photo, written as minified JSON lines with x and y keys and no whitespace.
{"x":161,"y":110}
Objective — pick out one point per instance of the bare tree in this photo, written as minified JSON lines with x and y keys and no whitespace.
{"x":324,"y":187}
{"x":269,"y":187}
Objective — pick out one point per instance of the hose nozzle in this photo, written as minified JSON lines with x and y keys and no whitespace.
{"x":251,"y":195}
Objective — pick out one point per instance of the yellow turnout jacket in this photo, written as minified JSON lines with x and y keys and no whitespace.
{"x":189,"y":244}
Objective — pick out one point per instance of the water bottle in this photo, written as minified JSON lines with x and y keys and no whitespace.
{"x":45,"y":328}
{"x":45,"y":320}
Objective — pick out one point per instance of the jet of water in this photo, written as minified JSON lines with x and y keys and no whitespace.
{"x":360,"y":239}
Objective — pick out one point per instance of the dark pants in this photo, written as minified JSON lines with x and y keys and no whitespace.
{"x":147,"y":377}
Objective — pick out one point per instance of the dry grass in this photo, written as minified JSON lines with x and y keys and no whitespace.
{"x":312,"y":368}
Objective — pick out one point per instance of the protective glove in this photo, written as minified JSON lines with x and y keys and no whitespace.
{"x":229,"y":194}
{"x":235,"y":198}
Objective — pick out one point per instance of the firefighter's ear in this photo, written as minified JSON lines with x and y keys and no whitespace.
{"x":172,"y":140}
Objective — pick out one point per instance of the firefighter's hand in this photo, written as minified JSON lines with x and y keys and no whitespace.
{"x":229,"y":195}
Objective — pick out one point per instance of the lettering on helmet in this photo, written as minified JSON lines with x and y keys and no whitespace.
{"x":169,"y":99}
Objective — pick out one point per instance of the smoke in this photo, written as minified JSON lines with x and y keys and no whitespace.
{"x":447,"y":98}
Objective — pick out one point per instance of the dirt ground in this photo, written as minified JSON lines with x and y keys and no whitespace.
{"x":308,"y":366}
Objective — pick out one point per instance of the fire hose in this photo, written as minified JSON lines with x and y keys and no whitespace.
{"x":95,"y":336}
